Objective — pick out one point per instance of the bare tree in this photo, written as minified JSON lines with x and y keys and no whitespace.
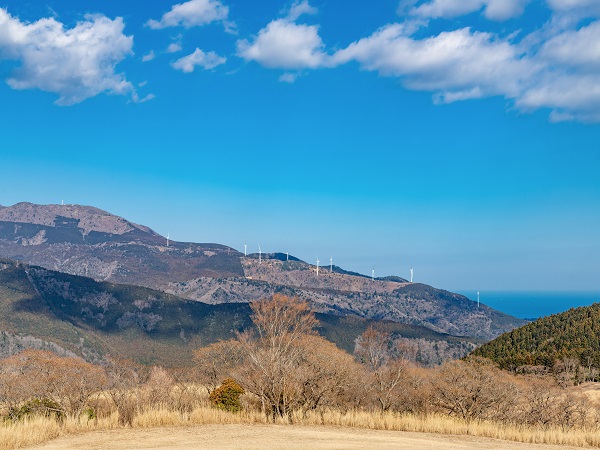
{"x":67,"y":382}
{"x":388,"y":371}
{"x":215,"y":362}
{"x":472,"y":390}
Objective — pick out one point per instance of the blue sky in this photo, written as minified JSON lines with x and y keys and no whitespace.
{"x":460,"y":137}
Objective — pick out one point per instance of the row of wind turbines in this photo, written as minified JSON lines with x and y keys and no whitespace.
{"x":318,"y":262}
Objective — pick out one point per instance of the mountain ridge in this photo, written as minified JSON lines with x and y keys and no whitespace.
{"x":69,"y":314}
{"x":214,"y":273}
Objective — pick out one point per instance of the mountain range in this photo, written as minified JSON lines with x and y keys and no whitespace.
{"x":87,"y":242}
{"x":74,"y":315}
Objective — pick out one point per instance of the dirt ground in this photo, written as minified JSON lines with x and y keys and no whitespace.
{"x":274,"y":437}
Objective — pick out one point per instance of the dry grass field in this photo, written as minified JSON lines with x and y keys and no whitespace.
{"x":210,"y":428}
{"x":274,"y":437}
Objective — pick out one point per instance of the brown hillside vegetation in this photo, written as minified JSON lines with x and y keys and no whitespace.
{"x":281,"y":372}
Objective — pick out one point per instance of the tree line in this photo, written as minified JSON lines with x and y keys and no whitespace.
{"x":282,"y":368}
{"x":567,"y":344}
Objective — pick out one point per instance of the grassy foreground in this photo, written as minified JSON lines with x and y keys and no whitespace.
{"x":39,"y":430}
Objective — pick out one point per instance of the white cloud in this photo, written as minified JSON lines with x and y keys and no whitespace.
{"x":504,"y":9}
{"x":193,"y":13}
{"x":454,"y":65}
{"x":174,"y":47}
{"x":207,"y":61}
{"x":493,"y":9}
{"x":136,"y":99}
{"x":590,"y":6}
{"x":569,"y":97}
{"x":149,"y":56}
{"x":76,"y":63}
{"x":288,"y":77}
{"x":300,"y":8}
{"x":579,"y":48}
{"x":286,"y":45}
{"x":561,"y":73}
{"x":570,"y":82}
{"x":447,"y":8}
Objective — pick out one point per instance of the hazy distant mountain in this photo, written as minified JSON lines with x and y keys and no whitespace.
{"x":68,"y":314}
{"x":83,"y":240}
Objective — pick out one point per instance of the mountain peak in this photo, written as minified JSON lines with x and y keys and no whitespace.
{"x":87,"y":218}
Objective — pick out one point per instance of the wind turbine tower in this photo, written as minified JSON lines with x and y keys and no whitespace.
{"x":318,"y":265}
{"x":411,"y":274}
{"x":259,"y":255}
{"x":245,"y":249}
{"x":168,"y":237}
{"x":373,"y":274}
{"x":287,"y":256}
{"x":477,"y":299}
{"x":331,"y":264}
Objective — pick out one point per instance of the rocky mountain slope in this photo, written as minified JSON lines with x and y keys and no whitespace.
{"x":69,"y":314}
{"x":86,"y":241}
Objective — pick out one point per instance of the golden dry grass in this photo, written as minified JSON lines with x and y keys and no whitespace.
{"x":39,"y":430}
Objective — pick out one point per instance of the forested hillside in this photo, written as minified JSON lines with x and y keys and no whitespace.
{"x":572,"y":334}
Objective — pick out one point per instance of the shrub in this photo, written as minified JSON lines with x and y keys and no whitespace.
{"x":227,"y":396}
{"x":36,"y":406}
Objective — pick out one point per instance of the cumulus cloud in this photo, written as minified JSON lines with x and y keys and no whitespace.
{"x":583,"y":7}
{"x":149,"y":56}
{"x":285,"y":44}
{"x":556,"y":67}
{"x":580,"y":48}
{"x":493,"y":9}
{"x":569,"y":85}
{"x":207,"y":61}
{"x":75,"y":64}
{"x":174,"y":47}
{"x":300,"y":8}
{"x":193,"y":13}
{"x":561,"y":74}
{"x":456,"y":65}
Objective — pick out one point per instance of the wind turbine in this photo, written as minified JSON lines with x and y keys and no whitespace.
{"x":373,"y":274}
{"x":287,"y":256}
{"x":318,"y":265}
{"x":259,"y":255}
{"x":411,"y":274}
{"x":168,"y":236}
{"x":245,"y":248}
{"x":62,"y":202}
{"x":477,"y":299}
{"x":331,"y":264}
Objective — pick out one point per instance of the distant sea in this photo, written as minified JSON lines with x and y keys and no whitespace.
{"x":533,"y":304}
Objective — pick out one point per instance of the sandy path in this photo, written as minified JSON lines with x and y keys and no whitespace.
{"x":275,"y":437}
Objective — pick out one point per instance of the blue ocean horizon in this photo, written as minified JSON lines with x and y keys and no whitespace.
{"x":534,"y":304}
